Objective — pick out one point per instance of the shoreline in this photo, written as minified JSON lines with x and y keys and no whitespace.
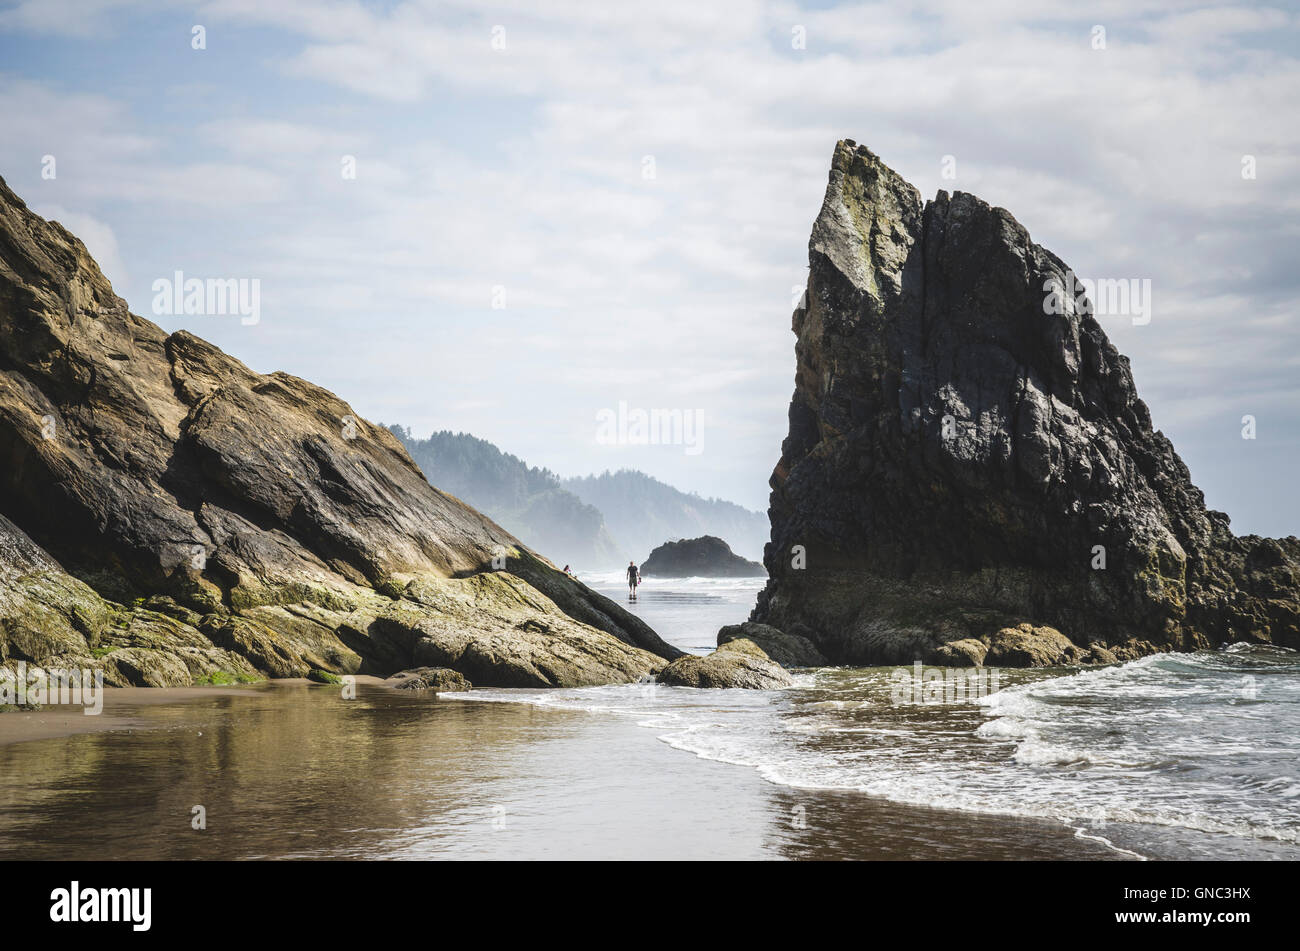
{"x":477,"y":761}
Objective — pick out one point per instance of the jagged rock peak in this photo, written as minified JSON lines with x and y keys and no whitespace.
{"x":968,"y":468}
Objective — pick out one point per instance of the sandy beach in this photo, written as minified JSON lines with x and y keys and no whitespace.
{"x":289,"y":769}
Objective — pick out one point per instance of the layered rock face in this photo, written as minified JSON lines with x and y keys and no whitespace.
{"x":960,"y":461}
{"x":166,"y":513}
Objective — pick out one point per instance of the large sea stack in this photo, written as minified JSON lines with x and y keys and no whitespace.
{"x":961,"y":463}
{"x":168,"y":515}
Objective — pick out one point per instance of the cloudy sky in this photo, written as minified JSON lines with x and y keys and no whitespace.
{"x":635,"y":184}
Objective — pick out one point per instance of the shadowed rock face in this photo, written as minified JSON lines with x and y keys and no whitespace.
{"x":956,"y":454}
{"x":179,"y":514}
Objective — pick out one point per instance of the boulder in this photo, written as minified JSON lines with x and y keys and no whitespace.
{"x":737,"y":663}
{"x":1029,"y":646}
{"x":965,"y":652}
{"x":788,"y":650}
{"x":429,"y":678}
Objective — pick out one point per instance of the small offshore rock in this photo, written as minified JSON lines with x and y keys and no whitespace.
{"x":705,"y":557}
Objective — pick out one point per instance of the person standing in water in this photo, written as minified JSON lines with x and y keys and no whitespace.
{"x":633,"y":579}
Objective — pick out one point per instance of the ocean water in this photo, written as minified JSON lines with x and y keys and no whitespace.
{"x":1170,"y":756}
{"x":686,"y":612}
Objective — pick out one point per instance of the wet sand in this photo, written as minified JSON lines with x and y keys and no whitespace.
{"x":288,"y":770}
{"x":52,"y":721}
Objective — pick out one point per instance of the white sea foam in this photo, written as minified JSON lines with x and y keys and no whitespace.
{"x":1199,"y":744}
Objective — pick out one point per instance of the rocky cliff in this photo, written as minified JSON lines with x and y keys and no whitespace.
{"x":971,"y":479}
{"x":169,"y":514}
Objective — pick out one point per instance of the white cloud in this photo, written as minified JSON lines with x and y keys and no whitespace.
{"x":270,"y":140}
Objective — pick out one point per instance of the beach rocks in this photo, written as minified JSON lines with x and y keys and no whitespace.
{"x":963,"y":652}
{"x":430,"y":678}
{"x":968,"y":455}
{"x":737,"y":663}
{"x":703,"y":557}
{"x":163,"y":499}
{"x":788,"y":650}
{"x":1029,"y":646}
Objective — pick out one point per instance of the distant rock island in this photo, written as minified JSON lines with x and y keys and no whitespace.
{"x":969,"y":475}
{"x":169,"y":516}
{"x":704,"y":557}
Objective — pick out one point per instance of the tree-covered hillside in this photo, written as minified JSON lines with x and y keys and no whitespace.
{"x":528,"y":502}
{"x":600,"y":521}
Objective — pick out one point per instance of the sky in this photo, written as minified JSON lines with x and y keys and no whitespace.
{"x":513,"y":218}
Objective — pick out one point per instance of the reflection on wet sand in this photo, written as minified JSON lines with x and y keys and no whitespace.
{"x":292,"y":770}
